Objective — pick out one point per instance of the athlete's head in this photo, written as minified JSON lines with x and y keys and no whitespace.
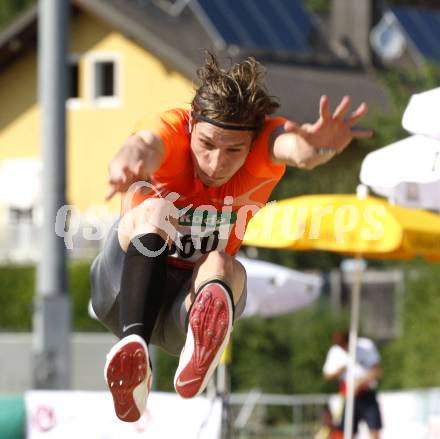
{"x":341,"y":338}
{"x":228,"y":109}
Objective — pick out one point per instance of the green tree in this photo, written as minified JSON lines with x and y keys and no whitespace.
{"x":284,"y":354}
{"x":317,"y":6}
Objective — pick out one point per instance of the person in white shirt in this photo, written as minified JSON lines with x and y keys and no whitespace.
{"x":367,"y":371}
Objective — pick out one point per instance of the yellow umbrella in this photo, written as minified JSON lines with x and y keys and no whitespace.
{"x":346,"y":224}
{"x":364,"y":227}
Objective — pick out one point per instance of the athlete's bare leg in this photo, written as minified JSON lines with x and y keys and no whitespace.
{"x":143,"y":237}
{"x":218,"y":284}
{"x":218,"y":265}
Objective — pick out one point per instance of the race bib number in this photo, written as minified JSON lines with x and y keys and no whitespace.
{"x":200,"y":232}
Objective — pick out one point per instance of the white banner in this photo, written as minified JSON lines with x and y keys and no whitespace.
{"x":411,"y":414}
{"x":84,"y":415}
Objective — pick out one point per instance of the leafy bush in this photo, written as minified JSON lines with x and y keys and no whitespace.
{"x":17,"y":286}
{"x":412,"y":360}
{"x":17,"y":291}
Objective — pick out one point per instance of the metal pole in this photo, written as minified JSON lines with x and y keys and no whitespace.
{"x":223,"y":390}
{"x":222,"y":387}
{"x":52,"y":303}
{"x":354,"y":325}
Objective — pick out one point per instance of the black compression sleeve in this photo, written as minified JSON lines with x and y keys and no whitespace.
{"x":143,"y":285}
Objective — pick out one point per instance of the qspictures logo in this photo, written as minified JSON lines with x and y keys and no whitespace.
{"x":206,"y":222}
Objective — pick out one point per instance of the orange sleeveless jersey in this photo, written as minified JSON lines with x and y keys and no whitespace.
{"x":219,"y":215}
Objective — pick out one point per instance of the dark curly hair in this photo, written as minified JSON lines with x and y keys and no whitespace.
{"x":236,"y":94}
{"x":341,"y":338}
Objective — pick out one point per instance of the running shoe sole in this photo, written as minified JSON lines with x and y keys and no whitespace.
{"x":128,"y":375}
{"x":209,"y":329}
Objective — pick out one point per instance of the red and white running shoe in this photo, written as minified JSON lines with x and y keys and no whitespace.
{"x":209,"y":329}
{"x":128,"y":374}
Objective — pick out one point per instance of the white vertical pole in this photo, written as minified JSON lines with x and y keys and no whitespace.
{"x":354,"y":325}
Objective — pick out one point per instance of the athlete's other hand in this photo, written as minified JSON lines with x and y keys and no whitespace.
{"x":127,"y":167}
{"x":139,"y":157}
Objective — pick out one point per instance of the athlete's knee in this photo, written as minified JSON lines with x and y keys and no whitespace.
{"x":226,"y":268}
{"x":153,"y":215}
{"x":227,"y":265}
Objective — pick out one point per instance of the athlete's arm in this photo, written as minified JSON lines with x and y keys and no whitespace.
{"x":334,"y":375}
{"x":308,"y":146}
{"x":140,"y":156}
{"x":372,"y":375}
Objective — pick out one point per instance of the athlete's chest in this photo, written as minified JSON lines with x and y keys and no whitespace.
{"x":242,"y":190}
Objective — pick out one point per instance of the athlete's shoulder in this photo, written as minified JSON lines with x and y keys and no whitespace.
{"x":171,"y":121}
{"x":366,"y":345}
{"x":337,"y":350}
{"x":175,"y":116}
{"x":173,"y":130}
{"x":173,"y":125}
{"x":272,"y":122}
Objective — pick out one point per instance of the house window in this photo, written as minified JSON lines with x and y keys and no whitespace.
{"x":73,"y":79}
{"x":105,"y":80}
{"x":75,"y":100}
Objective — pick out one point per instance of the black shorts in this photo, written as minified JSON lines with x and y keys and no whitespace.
{"x":366,"y":408}
{"x":106,"y":272}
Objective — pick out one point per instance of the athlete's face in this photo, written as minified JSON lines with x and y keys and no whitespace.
{"x":218,"y":153}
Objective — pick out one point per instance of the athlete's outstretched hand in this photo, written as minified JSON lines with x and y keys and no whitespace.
{"x":135,"y":161}
{"x":124,"y":170}
{"x":335,"y":130}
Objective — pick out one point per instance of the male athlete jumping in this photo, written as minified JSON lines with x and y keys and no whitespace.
{"x":167,"y":274}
